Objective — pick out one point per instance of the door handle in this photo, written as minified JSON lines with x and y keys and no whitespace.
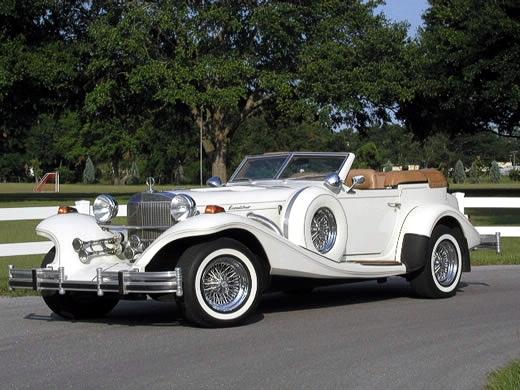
{"x":394,"y":204}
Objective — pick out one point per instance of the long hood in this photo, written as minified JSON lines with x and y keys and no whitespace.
{"x":241,"y":197}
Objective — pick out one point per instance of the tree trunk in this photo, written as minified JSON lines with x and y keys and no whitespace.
{"x":115,"y":171}
{"x":218,"y":165}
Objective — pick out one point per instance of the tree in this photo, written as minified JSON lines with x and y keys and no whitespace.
{"x":89,"y":173}
{"x":494,"y":173}
{"x":467,"y":76}
{"x":133,"y":175}
{"x":459,"y":174}
{"x":436,"y":151}
{"x":388,"y":166}
{"x":38,"y":69}
{"x":475,"y":171}
{"x":226,"y":61}
{"x":368,"y":156}
{"x":514,"y":174}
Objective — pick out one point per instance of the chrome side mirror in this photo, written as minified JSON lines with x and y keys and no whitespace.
{"x":356,"y":180}
{"x":214,"y":181}
{"x":333,"y":182}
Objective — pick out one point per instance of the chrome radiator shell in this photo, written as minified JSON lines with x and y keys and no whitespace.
{"x":149,"y":209}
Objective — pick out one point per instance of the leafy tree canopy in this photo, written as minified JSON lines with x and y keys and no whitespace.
{"x":466,"y":69}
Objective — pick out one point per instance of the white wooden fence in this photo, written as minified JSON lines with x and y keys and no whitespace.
{"x":84,"y":207}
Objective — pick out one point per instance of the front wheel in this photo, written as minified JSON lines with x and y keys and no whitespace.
{"x":77,"y":304}
{"x":440,"y":276}
{"x":222,"y":282}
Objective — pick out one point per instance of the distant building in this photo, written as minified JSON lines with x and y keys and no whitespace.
{"x":506,"y":167}
{"x":405,"y":167}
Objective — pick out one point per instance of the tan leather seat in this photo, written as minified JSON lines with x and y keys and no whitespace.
{"x":436,"y":178}
{"x":380,"y":180}
{"x":394,"y":178}
{"x":373,"y":180}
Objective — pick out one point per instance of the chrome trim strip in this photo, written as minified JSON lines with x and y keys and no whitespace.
{"x":288,"y":211}
{"x":266,"y":222}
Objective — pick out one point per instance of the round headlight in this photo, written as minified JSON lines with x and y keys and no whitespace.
{"x":182,"y":207}
{"x":105,"y":208}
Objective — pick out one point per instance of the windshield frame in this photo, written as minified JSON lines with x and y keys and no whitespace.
{"x":288,"y":157}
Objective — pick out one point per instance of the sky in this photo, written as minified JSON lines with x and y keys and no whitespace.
{"x":406,"y":10}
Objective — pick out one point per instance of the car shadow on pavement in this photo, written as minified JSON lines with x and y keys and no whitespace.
{"x":130,"y":313}
{"x":338,"y":295}
{"x":153,"y":313}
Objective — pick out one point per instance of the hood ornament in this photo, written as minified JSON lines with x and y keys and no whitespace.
{"x":150,"y":182}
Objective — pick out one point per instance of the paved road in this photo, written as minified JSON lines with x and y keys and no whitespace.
{"x":364,"y":335}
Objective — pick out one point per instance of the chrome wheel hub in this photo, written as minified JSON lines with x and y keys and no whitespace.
{"x":445,"y":263}
{"x":323,"y":230}
{"x":225,"y":284}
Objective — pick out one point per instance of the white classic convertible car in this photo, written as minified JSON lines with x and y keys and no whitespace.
{"x":288,"y":221}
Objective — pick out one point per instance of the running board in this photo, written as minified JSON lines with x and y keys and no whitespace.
{"x":376,"y":262}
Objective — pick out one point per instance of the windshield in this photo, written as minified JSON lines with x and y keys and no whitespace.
{"x":312,"y":166}
{"x":260,"y":168}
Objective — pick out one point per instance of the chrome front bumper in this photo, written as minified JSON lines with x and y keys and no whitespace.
{"x":122,"y":282}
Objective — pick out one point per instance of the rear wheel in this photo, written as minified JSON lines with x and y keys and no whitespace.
{"x":441,"y":275}
{"x":77,"y":304}
{"x":222,"y":282}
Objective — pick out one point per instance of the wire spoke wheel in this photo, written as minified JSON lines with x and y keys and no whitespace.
{"x":445,"y":263}
{"x":225,"y":284}
{"x":323,"y":230}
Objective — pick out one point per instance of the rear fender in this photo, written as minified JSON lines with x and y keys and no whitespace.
{"x":418,"y":227}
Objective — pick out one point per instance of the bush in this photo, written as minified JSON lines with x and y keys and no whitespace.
{"x":459,"y":174}
{"x":89,"y":173}
{"x":475,"y":172}
{"x":494,"y":173}
{"x":66,"y":175}
{"x":388,"y":166}
{"x":514,"y":175}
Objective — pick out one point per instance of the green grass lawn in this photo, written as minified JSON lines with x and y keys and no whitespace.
{"x":507,"y":378}
{"x":18,"y":262}
{"x":497,"y":217}
{"x":510,"y":253}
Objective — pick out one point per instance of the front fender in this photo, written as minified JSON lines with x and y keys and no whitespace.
{"x":285,"y":257}
{"x":62,"y":229}
{"x":203,"y":225}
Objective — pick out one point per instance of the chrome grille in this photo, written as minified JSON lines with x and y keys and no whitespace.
{"x":149,"y":209}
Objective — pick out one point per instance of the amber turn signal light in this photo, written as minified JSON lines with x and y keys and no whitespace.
{"x":214,"y":209}
{"x":66,"y":210}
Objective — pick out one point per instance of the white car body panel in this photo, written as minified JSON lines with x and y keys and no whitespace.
{"x":285,"y":257}
{"x":372,"y":224}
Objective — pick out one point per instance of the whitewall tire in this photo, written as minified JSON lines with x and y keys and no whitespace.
{"x":222,"y":282}
{"x":441,"y":274}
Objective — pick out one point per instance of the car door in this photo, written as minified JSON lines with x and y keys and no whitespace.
{"x":371,"y":218}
